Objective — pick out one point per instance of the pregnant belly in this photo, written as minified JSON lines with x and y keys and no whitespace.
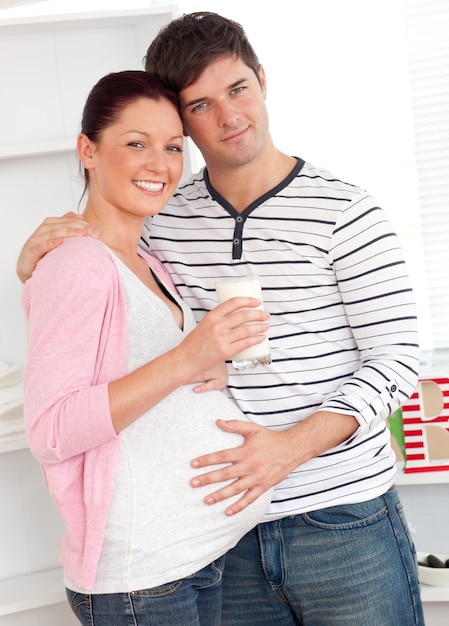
{"x":154,"y":481}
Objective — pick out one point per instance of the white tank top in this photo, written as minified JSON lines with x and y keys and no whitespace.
{"x":158,"y":528}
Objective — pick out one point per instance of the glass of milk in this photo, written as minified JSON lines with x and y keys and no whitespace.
{"x":245,"y":286}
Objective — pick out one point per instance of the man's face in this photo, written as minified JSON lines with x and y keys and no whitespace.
{"x":224,"y":113}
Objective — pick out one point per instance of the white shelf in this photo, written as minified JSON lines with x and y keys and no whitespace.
{"x":434,"y":594}
{"x":13,"y":444}
{"x":87,"y":20}
{"x":31,"y":591}
{"x":423,"y":478}
{"x":12,"y":427}
{"x":37,"y":149}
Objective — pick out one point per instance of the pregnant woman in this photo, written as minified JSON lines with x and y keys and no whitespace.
{"x":122,"y":389}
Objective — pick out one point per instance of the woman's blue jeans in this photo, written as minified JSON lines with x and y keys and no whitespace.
{"x":352,"y":565}
{"x":191,"y":601}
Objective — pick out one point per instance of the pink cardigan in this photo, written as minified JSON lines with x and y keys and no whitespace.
{"x":77,"y":343}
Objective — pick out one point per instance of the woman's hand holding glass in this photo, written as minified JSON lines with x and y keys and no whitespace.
{"x":229,"y":328}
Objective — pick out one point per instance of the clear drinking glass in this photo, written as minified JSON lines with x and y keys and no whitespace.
{"x":245,"y":286}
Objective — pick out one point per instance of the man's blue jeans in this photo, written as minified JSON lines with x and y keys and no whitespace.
{"x":351,"y":565}
{"x":191,"y":601}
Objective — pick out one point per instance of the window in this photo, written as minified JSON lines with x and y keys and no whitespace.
{"x":427,"y":40}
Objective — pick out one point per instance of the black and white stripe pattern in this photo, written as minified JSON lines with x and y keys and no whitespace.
{"x":343,"y":322}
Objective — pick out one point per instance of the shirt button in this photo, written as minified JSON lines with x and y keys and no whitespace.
{"x":236,"y":242}
{"x":393,"y":388}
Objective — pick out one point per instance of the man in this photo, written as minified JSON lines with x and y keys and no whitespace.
{"x":334,"y":548}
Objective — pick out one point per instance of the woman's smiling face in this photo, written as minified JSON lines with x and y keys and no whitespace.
{"x":137,"y":164}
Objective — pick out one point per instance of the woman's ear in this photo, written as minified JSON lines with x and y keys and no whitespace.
{"x":86,"y":151}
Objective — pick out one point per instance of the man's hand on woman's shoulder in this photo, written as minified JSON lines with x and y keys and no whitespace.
{"x":49,"y":235}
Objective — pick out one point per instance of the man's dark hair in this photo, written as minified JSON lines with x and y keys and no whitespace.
{"x":186,"y":46}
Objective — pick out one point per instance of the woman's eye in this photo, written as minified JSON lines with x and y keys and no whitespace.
{"x":135,"y":144}
{"x":174,"y":149}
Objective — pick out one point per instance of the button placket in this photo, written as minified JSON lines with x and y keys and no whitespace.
{"x":238,"y":238}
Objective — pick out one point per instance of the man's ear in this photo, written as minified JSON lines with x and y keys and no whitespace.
{"x":86,"y":151}
{"x":263,"y":80}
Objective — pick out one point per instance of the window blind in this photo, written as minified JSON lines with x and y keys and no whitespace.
{"x":427,"y":40}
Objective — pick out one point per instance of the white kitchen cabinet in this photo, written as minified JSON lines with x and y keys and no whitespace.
{"x":31,"y":583}
{"x":426,"y":503}
{"x":47,"y":67}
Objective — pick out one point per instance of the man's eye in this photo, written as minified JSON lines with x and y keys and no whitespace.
{"x":199,"y":107}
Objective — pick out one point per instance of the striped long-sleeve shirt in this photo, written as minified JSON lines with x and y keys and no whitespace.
{"x":343,"y":332}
